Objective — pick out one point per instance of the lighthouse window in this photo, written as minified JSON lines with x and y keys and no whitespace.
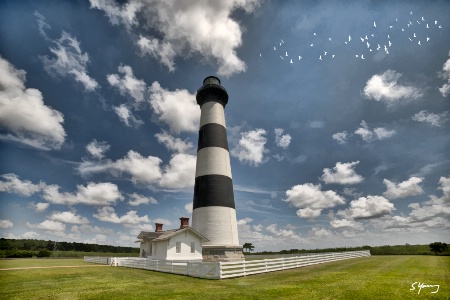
{"x":178,"y":247}
{"x":192,"y":247}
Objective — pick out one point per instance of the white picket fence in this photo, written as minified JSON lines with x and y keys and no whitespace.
{"x":222,"y":270}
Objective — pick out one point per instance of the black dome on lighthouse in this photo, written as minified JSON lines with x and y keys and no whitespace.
{"x":212,"y":91}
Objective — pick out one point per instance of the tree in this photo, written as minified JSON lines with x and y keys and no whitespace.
{"x":438,"y":247}
{"x":248,"y":246}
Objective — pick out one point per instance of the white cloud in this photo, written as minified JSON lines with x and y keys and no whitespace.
{"x":174,"y":144}
{"x":251,"y":147}
{"x":342,"y":173}
{"x":344,"y":223}
{"x":108,"y":214}
{"x":116,"y":14}
{"x":282,"y":140}
{"x":384,"y":87}
{"x":97,"y":149}
{"x":178,"y":108}
{"x":194,"y":28}
{"x":311,"y":200}
{"x":403,"y":189}
{"x":317,"y":124}
{"x":105,"y":193}
{"x":144,"y":170}
{"x":180,"y":172}
{"x":445,"y":187}
{"x":69,"y":61}
{"x":40,"y":206}
{"x":4,"y":224}
{"x":379,"y":133}
{"x":320,"y":232}
{"x":244,"y":221}
{"x":14,"y":185}
{"x":139,"y":199}
{"x":368,"y":208}
{"x":49,"y":225}
{"x":68,"y":217}
{"x":189,"y":207}
{"x":445,"y":89}
{"x":31,"y":235}
{"x":128,"y":84}
{"x":431,"y":118}
{"x":127,"y":117}
{"x":340,"y":137}
{"x":24,"y":113}
{"x":42,"y":25}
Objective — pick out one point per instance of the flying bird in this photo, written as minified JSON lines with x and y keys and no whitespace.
{"x":315,"y":33}
{"x":403,"y":29}
{"x":281,"y":57}
{"x":374,"y":24}
{"x":427,"y":26}
{"x":415,"y":34}
{"x":435,"y":22}
{"x":282,"y":41}
{"x":312,"y":45}
{"x":428,"y":39}
{"x":440,"y":26}
{"x":423,"y":19}
{"x":362,"y":56}
{"x":329,"y":39}
{"x":368,"y":45}
{"x":378,"y":48}
{"x":291,"y":62}
{"x":418,"y":43}
{"x":299,"y":57}
{"x":260,"y":55}
{"x":410,"y":12}
{"x":325,"y":52}
{"x":390,"y":44}
{"x":332,"y":56}
{"x":418,"y":22}
{"x":410,"y":39}
{"x":349,"y":38}
{"x":274,"y":48}
{"x":362,"y":40}
{"x":356,"y":55}
{"x":286,"y":54}
{"x":385,"y":48}
{"x":396,"y":20}
{"x":391,"y":26}
{"x":366,"y":37}
{"x":320,"y":57}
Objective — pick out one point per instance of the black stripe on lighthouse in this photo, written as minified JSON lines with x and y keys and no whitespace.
{"x":213,"y":190}
{"x":212,"y":135}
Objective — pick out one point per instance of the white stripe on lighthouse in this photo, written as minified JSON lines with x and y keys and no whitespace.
{"x":217,"y":223}
{"x":213,"y":160}
{"x":212,"y":112}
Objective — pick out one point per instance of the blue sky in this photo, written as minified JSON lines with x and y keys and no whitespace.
{"x":337,"y":120}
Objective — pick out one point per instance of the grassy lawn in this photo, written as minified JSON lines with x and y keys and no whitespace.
{"x":376,"y":277}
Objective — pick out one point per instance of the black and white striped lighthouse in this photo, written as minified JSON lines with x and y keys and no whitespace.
{"x":214,"y":213}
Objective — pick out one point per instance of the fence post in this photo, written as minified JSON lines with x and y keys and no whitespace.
{"x":265,"y":263}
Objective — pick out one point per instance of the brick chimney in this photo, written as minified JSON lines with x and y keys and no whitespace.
{"x":184,"y":222}
{"x":158,"y":227}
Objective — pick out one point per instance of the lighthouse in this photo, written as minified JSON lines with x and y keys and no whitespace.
{"x":214,"y":213}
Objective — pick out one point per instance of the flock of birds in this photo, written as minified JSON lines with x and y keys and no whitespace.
{"x":372,"y":42}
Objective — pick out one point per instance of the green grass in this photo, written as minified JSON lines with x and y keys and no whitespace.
{"x":377,"y":277}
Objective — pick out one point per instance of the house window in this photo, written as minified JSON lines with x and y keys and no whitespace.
{"x":192,"y":247}
{"x":178,"y":247}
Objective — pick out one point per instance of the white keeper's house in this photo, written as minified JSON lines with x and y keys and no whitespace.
{"x":183,"y":243}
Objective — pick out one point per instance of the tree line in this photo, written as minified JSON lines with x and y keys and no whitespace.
{"x":12,"y":248}
{"x":407,"y":249}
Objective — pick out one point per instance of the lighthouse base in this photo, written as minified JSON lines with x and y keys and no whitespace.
{"x":222,"y":253}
